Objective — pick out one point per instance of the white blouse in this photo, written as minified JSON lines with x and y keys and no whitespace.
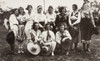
{"x":13,"y":20}
{"x":59,"y":36}
{"x":44,"y":36}
{"x":50,"y":17}
{"x":40,"y":18}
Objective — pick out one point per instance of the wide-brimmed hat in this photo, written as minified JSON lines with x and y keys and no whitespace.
{"x":33,"y":48}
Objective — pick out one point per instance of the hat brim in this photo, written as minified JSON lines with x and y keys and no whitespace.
{"x":31,"y":46}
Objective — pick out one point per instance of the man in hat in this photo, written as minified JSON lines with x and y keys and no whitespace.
{"x":48,"y":38}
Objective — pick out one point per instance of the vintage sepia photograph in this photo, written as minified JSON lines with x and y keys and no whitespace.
{"x":49,"y":30}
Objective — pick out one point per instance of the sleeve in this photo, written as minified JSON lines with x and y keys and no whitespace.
{"x":45,"y":19}
{"x":58,"y":38}
{"x":92,"y":19}
{"x":69,"y":19}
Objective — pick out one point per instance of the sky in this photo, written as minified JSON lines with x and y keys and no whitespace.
{"x":35,"y":3}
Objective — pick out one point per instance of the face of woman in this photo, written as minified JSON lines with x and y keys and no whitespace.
{"x":63,"y":11}
{"x":36,"y":26}
{"x":16,"y":12}
{"x":21,"y":11}
{"x":73,"y":7}
{"x":50,"y":10}
{"x":39,"y":10}
{"x":48,"y":27}
{"x":30,"y":9}
{"x":62,"y":28}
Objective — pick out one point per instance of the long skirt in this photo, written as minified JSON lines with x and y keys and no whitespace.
{"x":86,"y":29}
{"x":75,"y":33}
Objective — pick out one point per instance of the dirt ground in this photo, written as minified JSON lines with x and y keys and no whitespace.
{"x":5,"y":54}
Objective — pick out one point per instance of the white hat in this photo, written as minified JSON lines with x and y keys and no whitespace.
{"x":33,"y":48}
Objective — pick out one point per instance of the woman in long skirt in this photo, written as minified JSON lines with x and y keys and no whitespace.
{"x":74,"y":21}
{"x":87,"y":24}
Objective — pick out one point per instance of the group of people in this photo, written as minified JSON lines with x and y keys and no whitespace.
{"x":60,"y":30}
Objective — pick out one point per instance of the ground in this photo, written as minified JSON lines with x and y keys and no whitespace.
{"x":5,"y":54}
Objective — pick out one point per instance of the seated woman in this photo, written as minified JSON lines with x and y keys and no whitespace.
{"x":21,"y":26}
{"x":63,"y":39}
{"x":34,"y":33}
{"x":13,"y":23}
{"x":48,"y":38}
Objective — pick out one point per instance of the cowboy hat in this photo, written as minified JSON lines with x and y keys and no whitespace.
{"x":33,"y":48}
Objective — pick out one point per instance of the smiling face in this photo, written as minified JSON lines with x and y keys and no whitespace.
{"x":39,"y":10}
{"x":16,"y":12}
{"x":36,"y":26}
{"x":48,"y":27}
{"x":21,"y":10}
{"x":62,"y":28}
{"x":63,"y":11}
{"x":30,"y":8}
{"x":50,"y":10}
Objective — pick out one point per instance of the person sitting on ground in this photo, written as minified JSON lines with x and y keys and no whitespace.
{"x":63,"y":39}
{"x":48,"y":38}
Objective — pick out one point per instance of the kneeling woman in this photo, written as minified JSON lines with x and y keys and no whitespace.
{"x":63,"y":38}
{"x":48,"y":38}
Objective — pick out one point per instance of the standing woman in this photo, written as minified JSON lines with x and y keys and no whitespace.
{"x":14,"y":22}
{"x":74,"y":21}
{"x":29,"y":20}
{"x":87,"y":24}
{"x":62,"y":17}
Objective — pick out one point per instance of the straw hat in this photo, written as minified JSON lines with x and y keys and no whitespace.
{"x":33,"y":48}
